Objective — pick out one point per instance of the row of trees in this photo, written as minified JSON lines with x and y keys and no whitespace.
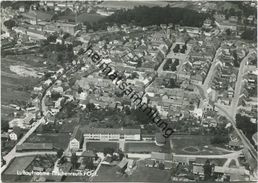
{"x":244,"y":123}
{"x":250,"y":34}
{"x":145,"y":16}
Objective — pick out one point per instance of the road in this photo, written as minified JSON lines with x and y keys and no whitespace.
{"x":243,"y":138}
{"x":238,"y":85}
{"x":230,"y":111}
{"x":8,"y":157}
{"x":230,"y":155}
{"x":211,"y":72}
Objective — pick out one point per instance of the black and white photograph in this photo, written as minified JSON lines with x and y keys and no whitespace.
{"x":129,"y":91}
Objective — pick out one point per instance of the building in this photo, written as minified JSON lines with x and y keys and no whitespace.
{"x":69,"y":27}
{"x":76,"y":139}
{"x":15,"y":134}
{"x":112,"y":134}
{"x":165,"y":157}
{"x":34,"y":147}
{"x":254,"y":137}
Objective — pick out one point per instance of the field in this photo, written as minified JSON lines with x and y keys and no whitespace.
{"x":59,"y":140}
{"x":19,"y":164}
{"x":146,"y":147}
{"x":194,"y":144}
{"x":16,"y":89}
{"x":99,"y":146}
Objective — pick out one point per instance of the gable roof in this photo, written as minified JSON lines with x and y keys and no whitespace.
{"x":77,"y":134}
{"x":161,"y":156}
{"x":125,"y":131}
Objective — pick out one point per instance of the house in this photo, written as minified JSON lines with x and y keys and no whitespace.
{"x":38,"y":169}
{"x":196,"y":79}
{"x":198,"y":170}
{"x":235,"y":144}
{"x":4,"y":135}
{"x":38,"y":89}
{"x":149,"y":163}
{"x":107,"y":160}
{"x":255,"y":137}
{"x":123,"y":164}
{"x":69,"y":27}
{"x":17,"y":122}
{"x":15,"y":134}
{"x":112,"y":134}
{"x":49,"y":116}
{"x":76,"y":139}
{"x":26,"y":146}
{"x":168,"y":165}
{"x":161,"y":156}
{"x":47,"y":82}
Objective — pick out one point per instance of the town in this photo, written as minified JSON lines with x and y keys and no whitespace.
{"x":193,"y":64}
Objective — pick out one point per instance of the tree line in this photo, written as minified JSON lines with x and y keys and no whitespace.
{"x":145,"y":16}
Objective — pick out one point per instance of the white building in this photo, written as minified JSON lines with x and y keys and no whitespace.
{"x":112,"y":134}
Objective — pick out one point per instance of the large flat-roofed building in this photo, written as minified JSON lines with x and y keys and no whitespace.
{"x":34,"y":147}
{"x":112,"y":134}
{"x":70,"y":28}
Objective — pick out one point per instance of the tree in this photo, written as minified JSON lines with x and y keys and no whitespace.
{"x":207,"y":170}
{"x":9,"y":24}
{"x":4,"y":125}
{"x":108,"y":150}
{"x":244,"y":123}
{"x":60,"y":153}
{"x":91,"y":107}
{"x":88,"y":162}
{"x":228,"y":32}
{"x":249,"y":34}
{"x":74,"y":160}
{"x":51,"y":38}
{"x":219,"y":139}
{"x":80,"y":90}
{"x":55,"y":96}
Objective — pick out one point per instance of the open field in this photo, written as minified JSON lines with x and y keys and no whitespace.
{"x":16,"y":89}
{"x":19,"y":164}
{"x":134,"y":147}
{"x":194,"y":144}
{"x":100,"y":146}
{"x":59,"y":140}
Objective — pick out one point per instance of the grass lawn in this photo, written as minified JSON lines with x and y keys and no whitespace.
{"x":100,"y":146}
{"x":184,"y":144}
{"x":133,"y":147}
{"x":59,"y":140}
{"x":19,"y":164}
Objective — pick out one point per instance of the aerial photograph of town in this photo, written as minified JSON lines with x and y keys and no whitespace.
{"x":129,"y":91}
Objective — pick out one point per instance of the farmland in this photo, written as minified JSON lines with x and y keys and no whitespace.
{"x":16,"y":87}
